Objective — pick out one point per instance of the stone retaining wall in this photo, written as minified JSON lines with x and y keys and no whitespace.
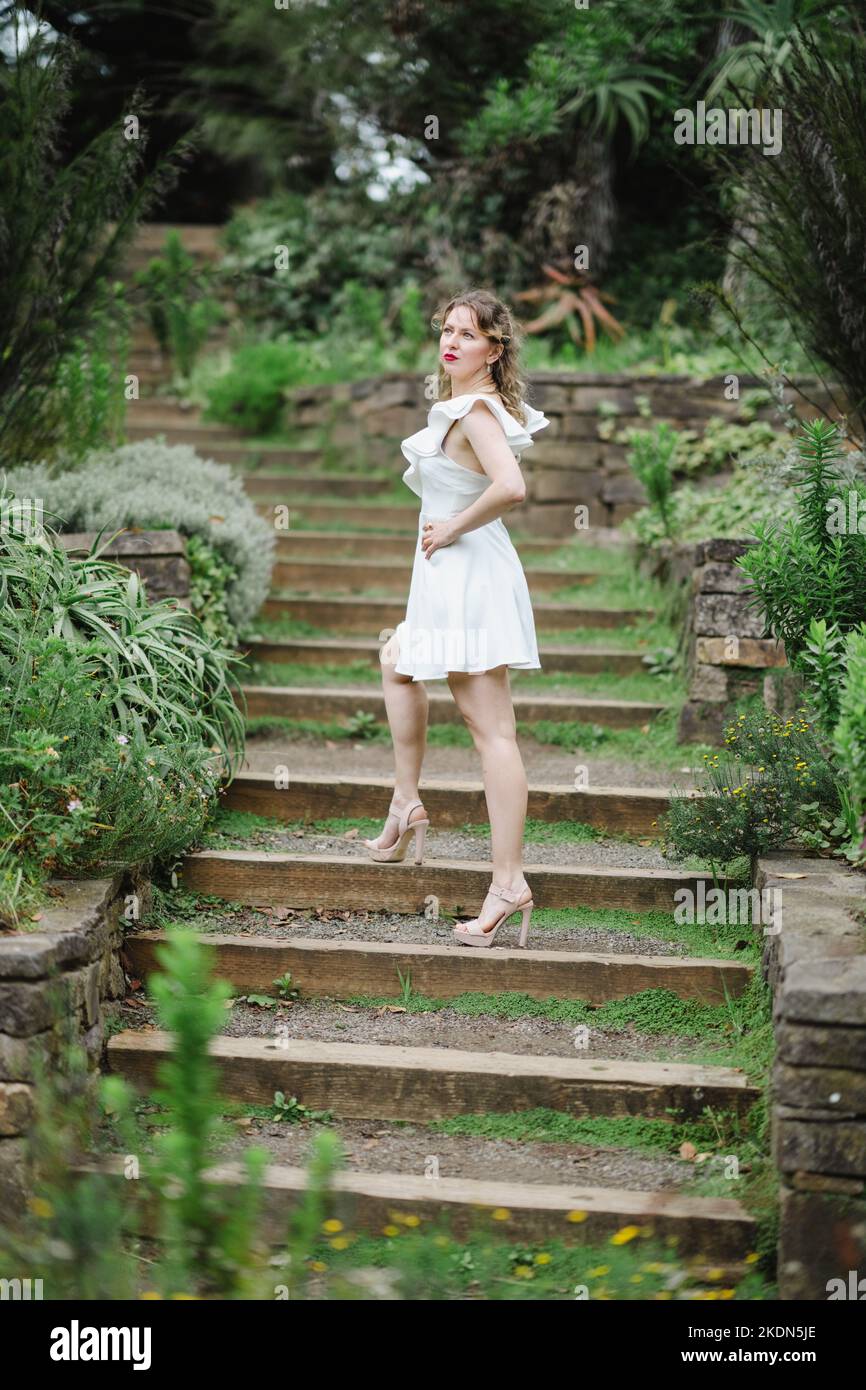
{"x":54,"y":982}
{"x":727,"y":656}
{"x":159,"y":557}
{"x":574,"y":461}
{"x":816,"y":967}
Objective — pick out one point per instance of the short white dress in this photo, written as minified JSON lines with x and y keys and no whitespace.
{"x":468,"y":607}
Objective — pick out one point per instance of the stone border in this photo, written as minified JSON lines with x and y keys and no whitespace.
{"x":816,"y":968}
{"x":70,"y":962}
{"x":727,"y":656}
{"x":575,"y":461}
{"x":157,"y":557}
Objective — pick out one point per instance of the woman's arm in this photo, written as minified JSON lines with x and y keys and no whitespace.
{"x":507,"y":487}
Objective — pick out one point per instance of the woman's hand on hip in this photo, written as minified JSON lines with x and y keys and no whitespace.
{"x":435,"y":535}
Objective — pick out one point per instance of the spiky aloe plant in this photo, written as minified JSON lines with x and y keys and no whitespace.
{"x":118,"y":720}
{"x":169,"y":682}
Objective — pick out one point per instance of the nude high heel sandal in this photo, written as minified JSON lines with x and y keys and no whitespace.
{"x":471,"y":934}
{"x":396,"y":853}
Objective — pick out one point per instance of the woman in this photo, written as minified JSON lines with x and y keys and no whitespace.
{"x":469,"y":616}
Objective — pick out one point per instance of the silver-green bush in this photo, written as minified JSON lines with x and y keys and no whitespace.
{"x":154,"y":484}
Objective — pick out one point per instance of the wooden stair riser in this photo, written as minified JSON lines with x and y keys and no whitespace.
{"x":378,"y":1081}
{"x":283,"y":487}
{"x":297,"y":703}
{"x":199,"y":437}
{"x":625,"y":811}
{"x":329,"y":545}
{"x":399,"y":520}
{"x":339,"y":969}
{"x":581,"y":661}
{"x":355,"y":884}
{"x":717,"y":1230}
{"x":366,"y":615}
{"x":346,"y":576}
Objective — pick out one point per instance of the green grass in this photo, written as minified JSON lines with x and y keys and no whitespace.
{"x":648,"y":1011}
{"x":663,"y":690}
{"x":621,"y":588}
{"x":543,"y":1126}
{"x":233,"y":827}
{"x":299,"y":523}
{"x":284,"y":629}
{"x":578,"y":558}
{"x":642,"y":635}
{"x":607,"y":592}
{"x":657,"y":748}
{"x":397,"y":496}
{"x":494,"y":1266}
{"x":296,"y":673}
{"x":178,"y":905}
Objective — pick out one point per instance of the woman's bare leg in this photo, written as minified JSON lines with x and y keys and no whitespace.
{"x":484,"y":701}
{"x":406,"y":703}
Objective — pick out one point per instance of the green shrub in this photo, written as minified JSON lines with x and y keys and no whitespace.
{"x":735,"y":509}
{"x":850,"y":736}
{"x":117,"y":722}
{"x":250,"y":395}
{"x":208,"y":1231}
{"x":806,"y":569}
{"x":153,"y":484}
{"x":332,"y":236}
{"x":650,"y":457}
{"x":768,"y":785}
{"x":70,"y":202}
{"x":179,"y":303}
{"x":90,"y":397}
{"x":210,"y":579}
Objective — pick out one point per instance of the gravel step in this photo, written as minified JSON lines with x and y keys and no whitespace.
{"x":715,"y":1231}
{"x":350,"y":882}
{"x":397,"y":1081}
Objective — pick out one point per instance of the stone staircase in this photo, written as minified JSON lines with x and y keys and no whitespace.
{"x":313,"y":905}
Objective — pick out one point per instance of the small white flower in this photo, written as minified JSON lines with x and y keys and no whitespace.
{"x":74,"y":804}
{"x":121,"y":738}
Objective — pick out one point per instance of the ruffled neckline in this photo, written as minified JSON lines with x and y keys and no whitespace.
{"x":427,"y":443}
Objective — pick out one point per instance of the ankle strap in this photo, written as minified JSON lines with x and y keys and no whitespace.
{"x":403,"y":816}
{"x":507,"y":893}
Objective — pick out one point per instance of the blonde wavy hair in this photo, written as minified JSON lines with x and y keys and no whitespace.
{"x":497,"y":323}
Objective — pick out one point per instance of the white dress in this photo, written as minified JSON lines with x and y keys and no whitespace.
{"x":468,"y":607}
